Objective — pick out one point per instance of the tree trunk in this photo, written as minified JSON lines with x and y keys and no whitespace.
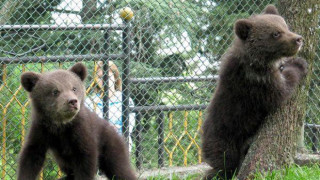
{"x":88,"y":10}
{"x":7,"y":9}
{"x":275,"y":145}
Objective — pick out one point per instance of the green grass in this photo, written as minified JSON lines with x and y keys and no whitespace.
{"x":175,"y":177}
{"x":292,"y":173}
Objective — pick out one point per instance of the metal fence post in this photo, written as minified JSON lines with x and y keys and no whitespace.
{"x":138,"y":140}
{"x":160,"y":121}
{"x":125,"y":79}
{"x":314,"y":139}
{"x":106,"y":76}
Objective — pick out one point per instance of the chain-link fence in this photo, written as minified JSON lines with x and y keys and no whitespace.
{"x":152,"y":76}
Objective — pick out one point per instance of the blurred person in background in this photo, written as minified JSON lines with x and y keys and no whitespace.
{"x":95,"y":99}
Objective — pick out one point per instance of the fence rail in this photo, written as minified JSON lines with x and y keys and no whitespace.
{"x":62,"y":58}
{"x":54,"y":27}
{"x":155,"y":80}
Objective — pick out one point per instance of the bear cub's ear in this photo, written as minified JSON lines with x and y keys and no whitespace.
{"x":80,"y":70}
{"x":271,"y":9}
{"x":242,"y":28}
{"x":29,"y":80}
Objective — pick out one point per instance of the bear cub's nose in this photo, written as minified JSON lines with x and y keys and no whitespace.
{"x":73,"y":102}
{"x":299,"y":40}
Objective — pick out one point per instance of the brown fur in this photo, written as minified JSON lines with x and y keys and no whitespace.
{"x":257,"y":75}
{"x":80,"y":141}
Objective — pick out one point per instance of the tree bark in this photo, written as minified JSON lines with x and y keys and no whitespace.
{"x":7,"y":9}
{"x":88,"y":10}
{"x":275,"y":145}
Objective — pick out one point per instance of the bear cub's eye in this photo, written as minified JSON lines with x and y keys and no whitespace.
{"x":281,"y":68}
{"x":276,"y":34}
{"x":74,"y":89}
{"x":55,"y":92}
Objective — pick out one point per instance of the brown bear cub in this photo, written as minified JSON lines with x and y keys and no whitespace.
{"x":80,"y":141}
{"x":257,"y":75}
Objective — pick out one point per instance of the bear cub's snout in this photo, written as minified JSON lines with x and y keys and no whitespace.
{"x":73,"y":103}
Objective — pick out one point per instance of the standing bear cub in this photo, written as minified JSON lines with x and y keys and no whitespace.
{"x":80,"y":141}
{"x":257,"y":75}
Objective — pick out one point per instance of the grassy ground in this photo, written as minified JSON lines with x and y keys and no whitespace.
{"x":292,"y":173}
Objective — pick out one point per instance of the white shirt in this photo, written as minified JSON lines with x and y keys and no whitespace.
{"x":94,"y":103}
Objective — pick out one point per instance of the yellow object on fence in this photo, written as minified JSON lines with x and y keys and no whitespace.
{"x":177,"y":140}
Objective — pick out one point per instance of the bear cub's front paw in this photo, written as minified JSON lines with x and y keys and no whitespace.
{"x":299,"y":63}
